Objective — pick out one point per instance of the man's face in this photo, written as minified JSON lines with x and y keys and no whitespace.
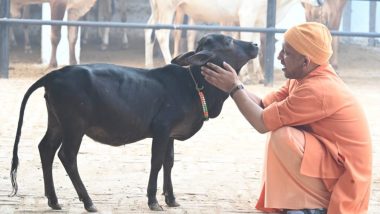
{"x":293,"y":62}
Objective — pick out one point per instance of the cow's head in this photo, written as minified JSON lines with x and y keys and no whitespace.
{"x":218,"y":48}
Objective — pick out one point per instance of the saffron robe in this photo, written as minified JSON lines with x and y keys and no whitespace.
{"x":337,"y":140}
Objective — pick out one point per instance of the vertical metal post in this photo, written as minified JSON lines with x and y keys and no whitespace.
{"x":4,"y":41}
{"x":372,"y":22}
{"x":347,"y":19}
{"x":270,"y":43}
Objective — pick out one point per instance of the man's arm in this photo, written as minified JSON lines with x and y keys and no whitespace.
{"x":248,"y":103}
{"x":249,"y":106}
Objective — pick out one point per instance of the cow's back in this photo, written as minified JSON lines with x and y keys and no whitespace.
{"x":114,"y":104}
{"x":117,"y":105}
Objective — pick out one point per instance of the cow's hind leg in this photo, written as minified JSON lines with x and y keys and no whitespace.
{"x":47,"y":148}
{"x":68,"y":156}
{"x":168,"y":165}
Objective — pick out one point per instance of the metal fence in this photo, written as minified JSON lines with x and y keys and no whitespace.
{"x":270,"y":32}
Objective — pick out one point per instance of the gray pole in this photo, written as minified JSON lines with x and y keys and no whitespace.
{"x":4,"y":41}
{"x":270,"y":43}
{"x":347,"y":20}
{"x":372,"y":22}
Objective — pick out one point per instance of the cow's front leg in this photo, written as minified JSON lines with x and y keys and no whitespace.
{"x":159,"y":145}
{"x":168,"y":165}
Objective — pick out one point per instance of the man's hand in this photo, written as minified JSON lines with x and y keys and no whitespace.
{"x":223,"y":78}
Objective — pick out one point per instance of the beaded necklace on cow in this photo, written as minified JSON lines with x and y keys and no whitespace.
{"x":201,"y":96}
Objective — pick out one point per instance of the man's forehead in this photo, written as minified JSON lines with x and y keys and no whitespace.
{"x":288,"y":48}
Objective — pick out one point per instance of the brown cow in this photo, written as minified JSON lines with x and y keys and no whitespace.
{"x":75,"y":10}
{"x":328,"y":12}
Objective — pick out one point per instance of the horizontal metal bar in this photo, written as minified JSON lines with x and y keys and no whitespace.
{"x":169,"y":27}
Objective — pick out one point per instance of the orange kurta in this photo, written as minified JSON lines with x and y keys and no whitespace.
{"x":338,"y":145}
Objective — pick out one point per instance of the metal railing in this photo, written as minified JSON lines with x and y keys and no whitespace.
{"x":270,"y":30}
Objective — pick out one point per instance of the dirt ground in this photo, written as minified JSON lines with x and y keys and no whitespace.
{"x":216,"y":171}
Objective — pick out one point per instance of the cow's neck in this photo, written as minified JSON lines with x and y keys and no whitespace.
{"x":202,"y":99}
{"x":211,"y":97}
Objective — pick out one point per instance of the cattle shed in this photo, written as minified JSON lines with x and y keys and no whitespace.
{"x":360,"y":24}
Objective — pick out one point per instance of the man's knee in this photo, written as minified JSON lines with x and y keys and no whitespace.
{"x":285,"y":139}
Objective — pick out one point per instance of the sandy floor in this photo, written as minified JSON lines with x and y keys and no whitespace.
{"x":216,"y":171}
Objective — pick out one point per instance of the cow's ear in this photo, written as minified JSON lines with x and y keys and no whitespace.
{"x":201,"y":58}
{"x":183,"y":59}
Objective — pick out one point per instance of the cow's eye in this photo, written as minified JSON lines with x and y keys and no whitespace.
{"x":208,"y":43}
{"x":228,"y":41}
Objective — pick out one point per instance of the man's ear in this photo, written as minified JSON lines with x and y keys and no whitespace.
{"x":306,"y":61}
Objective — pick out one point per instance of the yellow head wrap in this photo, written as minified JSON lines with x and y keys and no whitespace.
{"x":311,"y":39}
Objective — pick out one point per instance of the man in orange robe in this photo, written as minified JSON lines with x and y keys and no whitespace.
{"x":319,"y":154}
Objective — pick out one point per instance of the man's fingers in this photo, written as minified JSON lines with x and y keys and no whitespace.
{"x":228,"y":67}
{"x":214,"y":67}
{"x":209,"y":71}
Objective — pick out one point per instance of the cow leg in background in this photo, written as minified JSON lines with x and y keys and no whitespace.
{"x":149,"y":43}
{"x":58,"y":9}
{"x":177,"y":34}
{"x":26,"y":15}
{"x":12,"y":37}
{"x":47,"y":148}
{"x":159,"y":146}
{"x":252,"y":70}
{"x":105,"y":12}
{"x":168,"y":165}
{"x":68,"y":156}
{"x":72,"y":32}
{"x":164,"y":42}
{"x":261,"y":56}
{"x":191,"y":36}
{"x":334,"y":56}
{"x":334,"y":15}
{"x":123,"y":16}
{"x":162,"y":35}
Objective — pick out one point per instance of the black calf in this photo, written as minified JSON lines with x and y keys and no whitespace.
{"x":118,"y":105}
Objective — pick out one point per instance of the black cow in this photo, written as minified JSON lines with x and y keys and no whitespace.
{"x":117,"y":105}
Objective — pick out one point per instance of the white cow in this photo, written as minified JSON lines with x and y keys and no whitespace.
{"x":246,"y":13}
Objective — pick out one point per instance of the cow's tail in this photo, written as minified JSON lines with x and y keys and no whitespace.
{"x":15,"y":162}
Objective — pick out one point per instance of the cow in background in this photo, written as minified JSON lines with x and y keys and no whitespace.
{"x":328,"y":12}
{"x":104,"y":10}
{"x":24,"y":13}
{"x":75,"y":10}
{"x":245,"y":13}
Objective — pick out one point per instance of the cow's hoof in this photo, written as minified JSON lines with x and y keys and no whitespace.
{"x":54,"y":205}
{"x":172,"y":203}
{"x":91,"y":209}
{"x":155,"y":207}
